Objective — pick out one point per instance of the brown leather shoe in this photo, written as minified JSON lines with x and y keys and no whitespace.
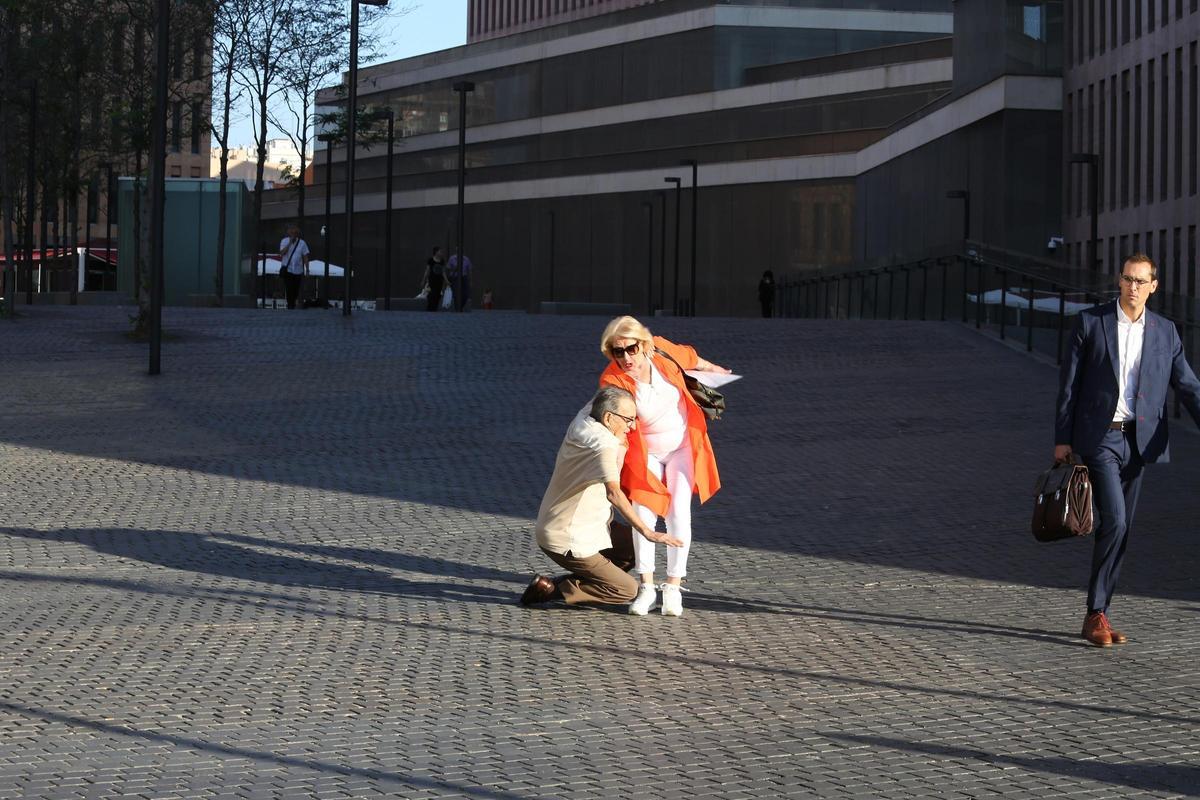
{"x":1114,"y":634}
{"x":1096,"y":630}
{"x":539,"y":590}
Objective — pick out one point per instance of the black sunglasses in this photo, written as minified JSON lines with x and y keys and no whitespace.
{"x":618,"y":352}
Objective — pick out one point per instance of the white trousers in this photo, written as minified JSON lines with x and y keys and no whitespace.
{"x":675,"y":470}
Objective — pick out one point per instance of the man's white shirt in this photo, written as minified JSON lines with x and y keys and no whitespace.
{"x":1130,"y":336}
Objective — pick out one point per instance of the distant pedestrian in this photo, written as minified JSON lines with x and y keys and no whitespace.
{"x":573,"y":522}
{"x":435,"y":279}
{"x":293,"y":266}
{"x":461,"y":279}
{"x":1112,"y":412}
{"x":766,"y":293}
{"x":488,"y":300}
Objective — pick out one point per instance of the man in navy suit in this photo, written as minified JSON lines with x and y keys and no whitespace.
{"x":1112,"y":412}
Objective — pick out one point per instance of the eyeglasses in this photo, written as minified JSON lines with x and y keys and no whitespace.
{"x":1129,"y":280}
{"x":618,"y":352}
{"x":628,"y":420}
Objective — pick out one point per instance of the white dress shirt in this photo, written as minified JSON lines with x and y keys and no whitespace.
{"x":1130,"y":336}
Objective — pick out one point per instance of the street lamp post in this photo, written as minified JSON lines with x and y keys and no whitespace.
{"x":462,"y":87}
{"x":691,"y":162}
{"x":552,"y":232}
{"x":326,"y":230}
{"x":351,"y":132}
{"x":108,"y":208}
{"x":649,"y":206}
{"x":158,"y":178}
{"x":678,"y":199}
{"x":662,"y":248}
{"x":1093,"y":164}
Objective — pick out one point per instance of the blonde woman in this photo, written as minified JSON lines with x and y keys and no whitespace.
{"x":670,"y":456}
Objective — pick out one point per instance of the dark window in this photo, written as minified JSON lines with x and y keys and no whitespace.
{"x":1162,"y":250}
{"x":1137,"y":243}
{"x":1178,"y":9}
{"x":176,"y":125}
{"x":1072,"y":147}
{"x":1114,"y":174}
{"x":198,"y":57}
{"x":1113,"y":32}
{"x":1165,"y":136}
{"x":1179,"y":122}
{"x":1137,"y":136}
{"x":1137,"y":19}
{"x":1123,"y":250}
{"x":1112,"y":254}
{"x":1193,"y":119}
{"x":93,"y":200}
{"x":1125,"y":21}
{"x":177,"y":57}
{"x":1125,"y":139}
{"x":1150,"y":15}
{"x":1102,"y":24}
{"x":1166,"y":12}
{"x":1102,"y":120}
{"x":1092,"y":32}
{"x":196,"y":121}
{"x":1192,"y":265}
{"x":1176,"y":276}
{"x":1151,"y":121}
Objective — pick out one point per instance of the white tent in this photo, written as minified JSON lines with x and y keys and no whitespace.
{"x":271,"y":266}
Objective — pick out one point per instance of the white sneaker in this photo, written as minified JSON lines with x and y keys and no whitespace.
{"x":672,"y":601}
{"x":647,"y":598}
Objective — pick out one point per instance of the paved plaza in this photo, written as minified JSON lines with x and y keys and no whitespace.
{"x":288,"y":568}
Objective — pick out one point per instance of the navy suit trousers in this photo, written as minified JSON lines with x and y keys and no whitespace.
{"x":1116,"y":474}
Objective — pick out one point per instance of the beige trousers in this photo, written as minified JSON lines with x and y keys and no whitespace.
{"x":603,"y":577}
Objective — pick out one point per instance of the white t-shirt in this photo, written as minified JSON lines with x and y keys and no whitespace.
{"x":293,"y":258}
{"x":662,"y":416}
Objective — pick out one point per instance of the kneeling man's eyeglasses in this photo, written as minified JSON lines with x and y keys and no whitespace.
{"x":1132,"y":281}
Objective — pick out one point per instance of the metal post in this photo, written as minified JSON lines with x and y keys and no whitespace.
{"x":351,"y":135}
{"x":30,"y":188}
{"x":108,"y":221}
{"x":1003,"y":300}
{"x":387,"y":234}
{"x":649,"y":206}
{"x":87,"y":239}
{"x":907,"y":289}
{"x":875,"y":303}
{"x":924,"y":287}
{"x":662,"y":249}
{"x":551,"y":256}
{"x":1032,"y":291}
{"x":691,"y":162}
{"x":964,"y":289}
{"x":1062,"y":318}
{"x":945,"y":281}
{"x":978,"y":295}
{"x":327,"y":250}
{"x":462,"y":87}
{"x":678,"y":200}
{"x":158,"y":156}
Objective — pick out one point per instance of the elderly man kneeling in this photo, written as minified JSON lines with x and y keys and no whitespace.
{"x":573,"y":522}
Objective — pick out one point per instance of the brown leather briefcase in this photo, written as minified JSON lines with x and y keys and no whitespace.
{"x":1062,"y":502}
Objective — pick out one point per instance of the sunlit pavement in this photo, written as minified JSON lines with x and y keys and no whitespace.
{"x":288,"y":567}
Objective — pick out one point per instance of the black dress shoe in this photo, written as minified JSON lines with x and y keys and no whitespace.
{"x":539,"y":590}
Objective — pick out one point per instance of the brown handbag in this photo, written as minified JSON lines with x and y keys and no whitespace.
{"x":1062,"y":505}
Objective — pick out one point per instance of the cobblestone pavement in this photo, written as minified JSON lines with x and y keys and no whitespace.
{"x":288,"y":567}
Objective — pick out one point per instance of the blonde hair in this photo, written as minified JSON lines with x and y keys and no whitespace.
{"x":624,"y":328}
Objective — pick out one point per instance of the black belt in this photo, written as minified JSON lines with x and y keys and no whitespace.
{"x":1127,"y":425}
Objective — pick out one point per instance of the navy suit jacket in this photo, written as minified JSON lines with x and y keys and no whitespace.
{"x":1088,"y":389}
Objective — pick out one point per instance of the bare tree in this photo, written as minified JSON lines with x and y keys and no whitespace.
{"x":230,"y":22}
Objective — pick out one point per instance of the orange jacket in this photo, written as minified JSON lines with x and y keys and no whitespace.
{"x":636,"y":480}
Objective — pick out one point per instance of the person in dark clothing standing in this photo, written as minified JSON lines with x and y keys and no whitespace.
{"x":435,"y":273}
{"x":766,"y":293}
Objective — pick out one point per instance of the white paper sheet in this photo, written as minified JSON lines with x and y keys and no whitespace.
{"x":713,"y":380}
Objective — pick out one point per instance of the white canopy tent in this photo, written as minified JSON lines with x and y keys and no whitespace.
{"x":271,"y":266}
